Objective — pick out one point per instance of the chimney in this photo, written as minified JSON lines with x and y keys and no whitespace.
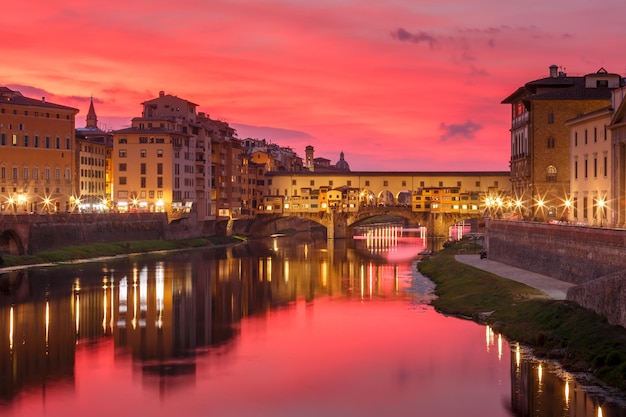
{"x":161,"y":93}
{"x":43,"y":99}
{"x":554,"y":71}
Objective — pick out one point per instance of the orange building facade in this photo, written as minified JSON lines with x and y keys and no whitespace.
{"x":37,"y":155}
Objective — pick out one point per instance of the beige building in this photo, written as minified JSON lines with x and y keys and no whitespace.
{"x":540,"y":137}
{"x":37,"y":159}
{"x":161,"y":162}
{"x":93,"y":165}
{"x":590,"y":177}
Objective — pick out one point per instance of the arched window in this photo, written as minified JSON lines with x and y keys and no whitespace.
{"x":551,"y":174}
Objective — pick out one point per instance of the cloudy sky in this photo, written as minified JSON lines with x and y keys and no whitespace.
{"x":403,"y":85}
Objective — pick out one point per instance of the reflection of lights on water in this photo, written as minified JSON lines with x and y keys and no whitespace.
{"x":11,"y":329}
{"x":268,"y":269}
{"x":518,"y":355}
{"x":499,"y":346}
{"x":160,"y":293}
{"x":324,"y":273}
{"x":539,"y":372}
{"x":47,"y":324}
{"x":105,"y":310}
{"x":286,"y":271}
{"x":599,"y":411}
{"x":275,"y":241}
{"x":567,"y":391}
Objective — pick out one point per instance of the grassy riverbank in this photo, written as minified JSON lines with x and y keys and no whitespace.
{"x":98,"y":250}
{"x":578,"y":338}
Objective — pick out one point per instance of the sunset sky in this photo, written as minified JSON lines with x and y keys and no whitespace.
{"x":402,"y":85}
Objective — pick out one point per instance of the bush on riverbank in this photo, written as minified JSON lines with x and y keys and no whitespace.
{"x":578,"y":338}
{"x":96,"y":250}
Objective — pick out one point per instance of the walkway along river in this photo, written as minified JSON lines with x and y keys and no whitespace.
{"x":280,"y":327}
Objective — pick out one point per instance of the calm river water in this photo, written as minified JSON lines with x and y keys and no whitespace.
{"x":290,"y":326}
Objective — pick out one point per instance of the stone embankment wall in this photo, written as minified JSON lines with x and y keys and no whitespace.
{"x":593,"y":258}
{"x":61,"y":230}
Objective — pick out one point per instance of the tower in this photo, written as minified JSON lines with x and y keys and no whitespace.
{"x":309,"y":158}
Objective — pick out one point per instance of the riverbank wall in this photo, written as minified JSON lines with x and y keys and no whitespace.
{"x":592,"y":258}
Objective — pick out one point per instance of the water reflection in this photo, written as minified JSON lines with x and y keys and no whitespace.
{"x":278,"y":327}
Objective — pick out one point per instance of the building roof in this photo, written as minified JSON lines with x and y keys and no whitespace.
{"x":563,"y":87}
{"x":15,"y":97}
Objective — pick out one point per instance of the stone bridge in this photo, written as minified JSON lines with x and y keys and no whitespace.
{"x":339,"y":224}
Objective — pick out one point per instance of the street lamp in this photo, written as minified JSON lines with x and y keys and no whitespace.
{"x":540,"y":206}
{"x":601,"y":205}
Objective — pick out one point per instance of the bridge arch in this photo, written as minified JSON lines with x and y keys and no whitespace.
{"x":11,"y":243}
{"x":386,"y":198}
{"x":404,"y":198}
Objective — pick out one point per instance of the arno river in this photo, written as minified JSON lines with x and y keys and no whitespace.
{"x":288,"y":326}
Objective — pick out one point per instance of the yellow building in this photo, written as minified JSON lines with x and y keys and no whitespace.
{"x":93,"y":163}
{"x":37,"y":162}
{"x":540,"y":137}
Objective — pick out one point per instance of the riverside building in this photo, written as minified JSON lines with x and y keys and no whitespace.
{"x":540,"y":137}
{"x":37,"y":155}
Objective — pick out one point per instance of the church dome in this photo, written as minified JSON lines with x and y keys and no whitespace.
{"x":342,"y":164}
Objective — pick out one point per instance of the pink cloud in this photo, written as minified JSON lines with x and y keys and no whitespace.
{"x":380,"y":81}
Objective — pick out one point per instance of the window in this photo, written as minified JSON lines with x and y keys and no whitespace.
{"x":595,"y":166}
{"x":36,"y":174}
{"x":14,"y":173}
{"x":68,"y":143}
{"x":551,"y":174}
{"x":551,"y":143}
{"x":441,"y":183}
{"x":142,"y":168}
{"x":68,"y":174}
{"x":159,"y":153}
{"x":122,"y":140}
{"x":143,"y":139}
{"x":159,"y":168}
{"x":160,"y":182}
{"x":143,"y":182}
{"x":585,"y":136}
{"x":477,"y":183}
{"x":385,"y":183}
{"x":586,"y":166}
{"x":14,"y":140}
{"x":605,"y":166}
{"x":458,"y":183}
{"x":550,"y":118}
{"x":422,"y":184}
{"x":122,"y":153}
{"x":36,"y":144}
{"x":25,"y":173}
{"x":122,"y":180}
{"x":26,"y":141}
{"x":3,"y":139}
{"x":57,"y":143}
{"x":595,"y":135}
{"x":47,"y":145}
{"x":57,"y":174}
{"x":367,"y":183}
{"x":404,"y":183}
{"x":3,"y":173}
{"x":575,"y":138}
{"x":122,"y":167}
{"x":312,"y":183}
{"x":576,"y":169}
{"x":349,"y":183}
{"x":585,"y":211}
{"x":143,"y":153}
